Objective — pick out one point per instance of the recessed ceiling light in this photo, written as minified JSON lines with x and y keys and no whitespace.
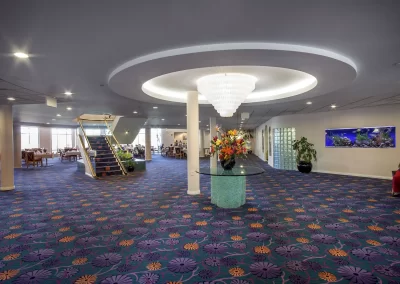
{"x":135,"y":111}
{"x":58,"y":114}
{"x":178,"y":123}
{"x":333,"y":106}
{"x":200,"y":121}
{"x":53,"y":119}
{"x":47,"y":122}
{"x":126,"y":132}
{"x":155,"y":107}
{"x":11,"y":99}
{"x":68,"y":93}
{"x":21,"y":55}
{"x":162,"y":119}
{"x":207,"y":125}
{"x":69,"y":108}
{"x":309,"y":103}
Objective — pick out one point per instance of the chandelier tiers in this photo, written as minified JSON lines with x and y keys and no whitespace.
{"x":226,"y":91}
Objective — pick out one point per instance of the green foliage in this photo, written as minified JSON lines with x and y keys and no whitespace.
{"x":129,"y":163}
{"x":305,"y":150}
{"x":124,"y":156}
{"x":362,"y":137}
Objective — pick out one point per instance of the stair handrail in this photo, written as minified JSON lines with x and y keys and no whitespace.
{"x":85,"y":153}
{"x":112,"y":134}
{"x":121,"y":165}
{"x":84,"y":134}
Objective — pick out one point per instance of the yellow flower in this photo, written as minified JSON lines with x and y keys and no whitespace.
{"x":8,"y":274}
{"x":86,"y":279}
{"x":164,"y":206}
{"x":126,"y":243}
{"x":236,"y":218}
{"x":252,"y":209}
{"x":174,"y":235}
{"x":299,"y":210}
{"x":191,"y":246}
{"x":140,"y":214}
{"x":324,"y":206}
{"x":327,"y":276}
{"x":314,"y":226}
{"x":11,"y":256}
{"x":375,"y":228}
{"x":250,"y":198}
{"x":187,"y":216}
{"x":149,"y":221}
{"x":195,"y":202}
{"x":337,"y":252}
{"x":343,"y":220}
{"x":15,"y":227}
{"x":218,"y":142}
{"x":236,"y":271}
{"x":262,"y":249}
{"x":207,"y":208}
{"x":86,"y":204}
{"x":303,"y":240}
{"x":15,"y":215}
{"x":79,"y":261}
{"x":64,"y":229}
{"x":289,"y":198}
{"x":56,"y":211}
{"x":201,"y":223}
{"x":96,"y":212}
{"x":288,"y":219}
{"x":116,"y":232}
{"x":153,"y":266}
{"x":11,"y":236}
{"x":58,"y":217}
{"x":101,"y":219}
{"x":373,"y":242}
{"x":124,"y":205}
{"x":67,"y":239}
{"x":348,"y":211}
{"x":256,"y":225}
{"x":236,"y":238}
{"x":372,"y":200}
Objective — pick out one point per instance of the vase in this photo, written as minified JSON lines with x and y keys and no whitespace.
{"x":304,"y":167}
{"x":228,"y":164}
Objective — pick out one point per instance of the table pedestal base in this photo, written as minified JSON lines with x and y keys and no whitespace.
{"x":228,"y":191}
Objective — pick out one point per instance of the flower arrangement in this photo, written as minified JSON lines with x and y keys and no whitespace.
{"x":229,"y":146}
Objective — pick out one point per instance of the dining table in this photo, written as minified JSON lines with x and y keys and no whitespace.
{"x":44,"y":156}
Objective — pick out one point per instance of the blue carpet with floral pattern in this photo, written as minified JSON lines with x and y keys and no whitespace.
{"x":60,"y":226}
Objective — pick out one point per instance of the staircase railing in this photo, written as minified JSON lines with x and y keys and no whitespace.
{"x":112,"y":134}
{"x":87,"y":158}
{"x":121,"y":165}
{"x":84,"y":134}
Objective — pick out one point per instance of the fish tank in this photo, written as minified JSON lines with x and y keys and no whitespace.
{"x":365,"y":137}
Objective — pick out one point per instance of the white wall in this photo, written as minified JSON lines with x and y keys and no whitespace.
{"x":351,"y":161}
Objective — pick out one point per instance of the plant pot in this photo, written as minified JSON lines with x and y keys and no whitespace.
{"x":304,"y":167}
{"x":228,"y":164}
{"x":130,"y":169}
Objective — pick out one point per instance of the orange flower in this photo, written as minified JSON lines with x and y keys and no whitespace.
{"x":288,"y":219}
{"x":15,"y":215}
{"x":116,"y":232}
{"x":79,"y":261}
{"x":299,"y":210}
{"x":164,"y":206}
{"x":174,"y":235}
{"x":86,"y":279}
{"x":262,"y":249}
{"x":64,"y":229}
{"x":11,"y":236}
{"x":8,"y":274}
{"x":207,"y":208}
{"x":302,"y":240}
{"x":373,"y":242}
{"x":96,"y":212}
{"x":58,"y":217}
{"x":252,"y":209}
{"x":149,"y":221}
{"x":337,"y":252}
{"x":347,"y":211}
{"x":140,"y":214}
{"x":314,"y":226}
{"x":67,"y":239}
{"x":191,"y":246}
{"x":15,"y":227}
{"x":153,"y":266}
{"x":11,"y":256}
{"x":236,"y":271}
{"x":256,"y":225}
{"x":187,"y":216}
{"x":126,"y":243}
{"x":375,"y":228}
{"x":236,"y":238}
{"x":174,"y":282}
{"x":327,"y":276}
{"x":236,"y":218}
{"x":101,"y":219}
{"x":201,"y":223}
{"x":343,"y":220}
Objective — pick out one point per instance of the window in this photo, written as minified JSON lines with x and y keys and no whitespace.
{"x":93,"y":131}
{"x":61,"y":138}
{"x":155,"y":137}
{"x":29,"y":137}
{"x":140,"y":138}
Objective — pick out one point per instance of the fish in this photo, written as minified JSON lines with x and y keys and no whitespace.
{"x":376,"y":130}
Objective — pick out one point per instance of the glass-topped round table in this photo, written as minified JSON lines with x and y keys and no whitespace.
{"x":228,"y":187}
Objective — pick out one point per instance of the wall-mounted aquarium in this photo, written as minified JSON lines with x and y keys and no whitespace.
{"x":363,"y":137}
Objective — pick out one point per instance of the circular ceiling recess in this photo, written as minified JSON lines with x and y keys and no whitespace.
{"x":284,"y":72}
{"x":272,"y":83}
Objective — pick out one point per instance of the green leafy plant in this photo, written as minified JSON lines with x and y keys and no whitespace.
{"x":305,"y":150}
{"x":123,"y":156}
{"x":129,"y":163}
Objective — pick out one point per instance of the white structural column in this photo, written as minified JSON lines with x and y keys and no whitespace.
{"x":147,"y":137}
{"x":17,"y":146}
{"x":201,"y":144}
{"x":213,"y":133}
{"x":192,"y":109}
{"x":6,"y":148}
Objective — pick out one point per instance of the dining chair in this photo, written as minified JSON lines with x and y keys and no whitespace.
{"x":178,"y":153}
{"x":31,"y":159}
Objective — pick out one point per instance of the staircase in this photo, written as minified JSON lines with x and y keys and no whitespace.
{"x":106,"y":164}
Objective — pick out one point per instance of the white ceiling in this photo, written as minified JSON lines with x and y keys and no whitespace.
{"x":75,"y":45}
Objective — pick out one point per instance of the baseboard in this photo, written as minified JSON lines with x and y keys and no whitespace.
{"x":351,"y":174}
{"x":7,"y":188}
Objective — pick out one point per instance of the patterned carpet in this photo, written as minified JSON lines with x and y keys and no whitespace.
{"x":62,"y":227}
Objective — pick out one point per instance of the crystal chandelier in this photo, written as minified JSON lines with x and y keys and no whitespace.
{"x":226,"y":91}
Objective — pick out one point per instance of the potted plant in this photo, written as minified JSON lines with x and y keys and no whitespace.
{"x":229,"y":146}
{"x":305,"y":153}
{"x":129,"y":165}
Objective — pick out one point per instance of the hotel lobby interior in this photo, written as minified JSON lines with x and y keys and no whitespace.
{"x":215,"y":141}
